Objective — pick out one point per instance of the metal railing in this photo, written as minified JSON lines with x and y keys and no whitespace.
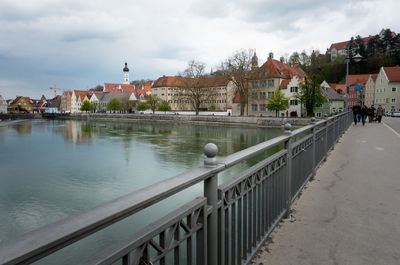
{"x":225,"y":226}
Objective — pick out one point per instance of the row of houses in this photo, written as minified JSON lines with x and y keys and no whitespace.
{"x":22,"y":104}
{"x":382,"y":89}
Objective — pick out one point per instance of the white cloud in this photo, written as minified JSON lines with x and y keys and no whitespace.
{"x":79,"y":44}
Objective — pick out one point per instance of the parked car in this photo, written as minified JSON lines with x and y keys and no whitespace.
{"x":396,"y":114}
{"x":388,"y":114}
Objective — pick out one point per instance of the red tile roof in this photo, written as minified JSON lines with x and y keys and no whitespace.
{"x":143,"y":89}
{"x":114,"y":88}
{"x":284,"y":84}
{"x":340,"y":88}
{"x":81,"y":94}
{"x":276,"y":69}
{"x":392,"y":73}
{"x":358,"y":79}
{"x":343,"y":45}
{"x":168,"y":81}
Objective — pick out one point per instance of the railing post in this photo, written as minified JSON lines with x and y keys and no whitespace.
{"x":211,"y":193}
{"x":326,"y":137}
{"x":313,"y":148}
{"x":288,"y":147}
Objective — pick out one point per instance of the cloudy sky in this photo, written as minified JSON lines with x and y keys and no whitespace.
{"x":77,"y":44}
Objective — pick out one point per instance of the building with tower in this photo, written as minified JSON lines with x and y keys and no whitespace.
{"x":117,"y":87}
{"x":126,"y":74}
{"x":254,"y":61}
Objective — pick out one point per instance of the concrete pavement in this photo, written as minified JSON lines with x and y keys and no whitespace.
{"x":350,"y":213}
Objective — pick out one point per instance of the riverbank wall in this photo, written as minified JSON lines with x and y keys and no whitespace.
{"x":20,"y":116}
{"x":210,"y":119}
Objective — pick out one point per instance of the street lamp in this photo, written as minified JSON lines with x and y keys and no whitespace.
{"x":356,"y":58}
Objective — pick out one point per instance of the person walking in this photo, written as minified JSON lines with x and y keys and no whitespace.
{"x":356,"y":112}
{"x":363,"y":113}
{"x":370,"y":114}
{"x":379,"y":113}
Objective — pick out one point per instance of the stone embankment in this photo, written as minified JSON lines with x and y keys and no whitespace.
{"x":210,"y":119}
{"x":20,"y":116}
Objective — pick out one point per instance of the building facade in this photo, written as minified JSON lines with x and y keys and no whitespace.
{"x":387,"y":88}
{"x":264,"y":81}
{"x":3,"y":105}
{"x":21,"y":105}
{"x":216,"y":92}
{"x":369,"y":93}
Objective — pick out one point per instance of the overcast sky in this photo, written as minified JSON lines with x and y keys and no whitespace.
{"x":77,"y":44}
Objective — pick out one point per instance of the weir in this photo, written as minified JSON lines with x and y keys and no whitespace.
{"x":227,"y":225}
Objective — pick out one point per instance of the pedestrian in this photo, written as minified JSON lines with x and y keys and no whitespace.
{"x":379,"y":113}
{"x":372,"y":111}
{"x":363,"y":114}
{"x":356,"y":112}
{"x":370,"y":114}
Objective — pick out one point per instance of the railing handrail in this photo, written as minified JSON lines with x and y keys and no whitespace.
{"x":50,"y":238}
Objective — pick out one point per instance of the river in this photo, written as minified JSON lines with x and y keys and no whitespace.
{"x":52,"y":169}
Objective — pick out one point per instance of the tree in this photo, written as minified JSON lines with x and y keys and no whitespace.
{"x":86,"y":106}
{"x":192,"y":85}
{"x":237,"y":68}
{"x":127,"y":105}
{"x":164,"y":106}
{"x":142,"y":106}
{"x":152,"y":102}
{"x":97,"y":88}
{"x":113,"y":105}
{"x":278,"y":102}
{"x":95,"y":106}
{"x":310,"y":94}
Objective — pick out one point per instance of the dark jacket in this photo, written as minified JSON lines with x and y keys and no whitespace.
{"x":364,"y":111}
{"x":356,"y":109}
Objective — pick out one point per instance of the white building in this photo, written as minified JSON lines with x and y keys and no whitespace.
{"x":3,"y":105}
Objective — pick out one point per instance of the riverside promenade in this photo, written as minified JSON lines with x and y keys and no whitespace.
{"x":350,"y":213}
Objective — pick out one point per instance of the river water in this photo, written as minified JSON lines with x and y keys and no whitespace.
{"x":50,"y":170}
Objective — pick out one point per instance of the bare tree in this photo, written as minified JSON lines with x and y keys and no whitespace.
{"x":237,"y":68}
{"x":192,"y":89}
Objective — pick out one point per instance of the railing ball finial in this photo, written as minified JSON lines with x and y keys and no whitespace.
{"x":312,"y":120}
{"x":326,"y":115}
{"x":210,"y":151}
{"x":288,"y":128}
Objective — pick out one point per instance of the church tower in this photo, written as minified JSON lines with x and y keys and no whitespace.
{"x":254,"y":61}
{"x":126,"y":74}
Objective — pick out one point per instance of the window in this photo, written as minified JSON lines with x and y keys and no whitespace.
{"x":318,"y":114}
{"x":263,"y":83}
{"x":254,"y":95}
{"x":393,"y":100}
{"x":293,"y":89}
{"x":271,"y":83}
{"x":262,"y":95}
{"x":262,"y":108}
{"x":293,"y":102}
{"x":393,"y":89}
{"x":253,"y":107}
{"x":254,"y":84}
{"x":270,"y":94}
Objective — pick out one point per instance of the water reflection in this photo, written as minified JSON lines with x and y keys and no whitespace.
{"x":173,"y":143}
{"x":72,"y":166}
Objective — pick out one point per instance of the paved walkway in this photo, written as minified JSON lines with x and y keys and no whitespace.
{"x":350,"y":213}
